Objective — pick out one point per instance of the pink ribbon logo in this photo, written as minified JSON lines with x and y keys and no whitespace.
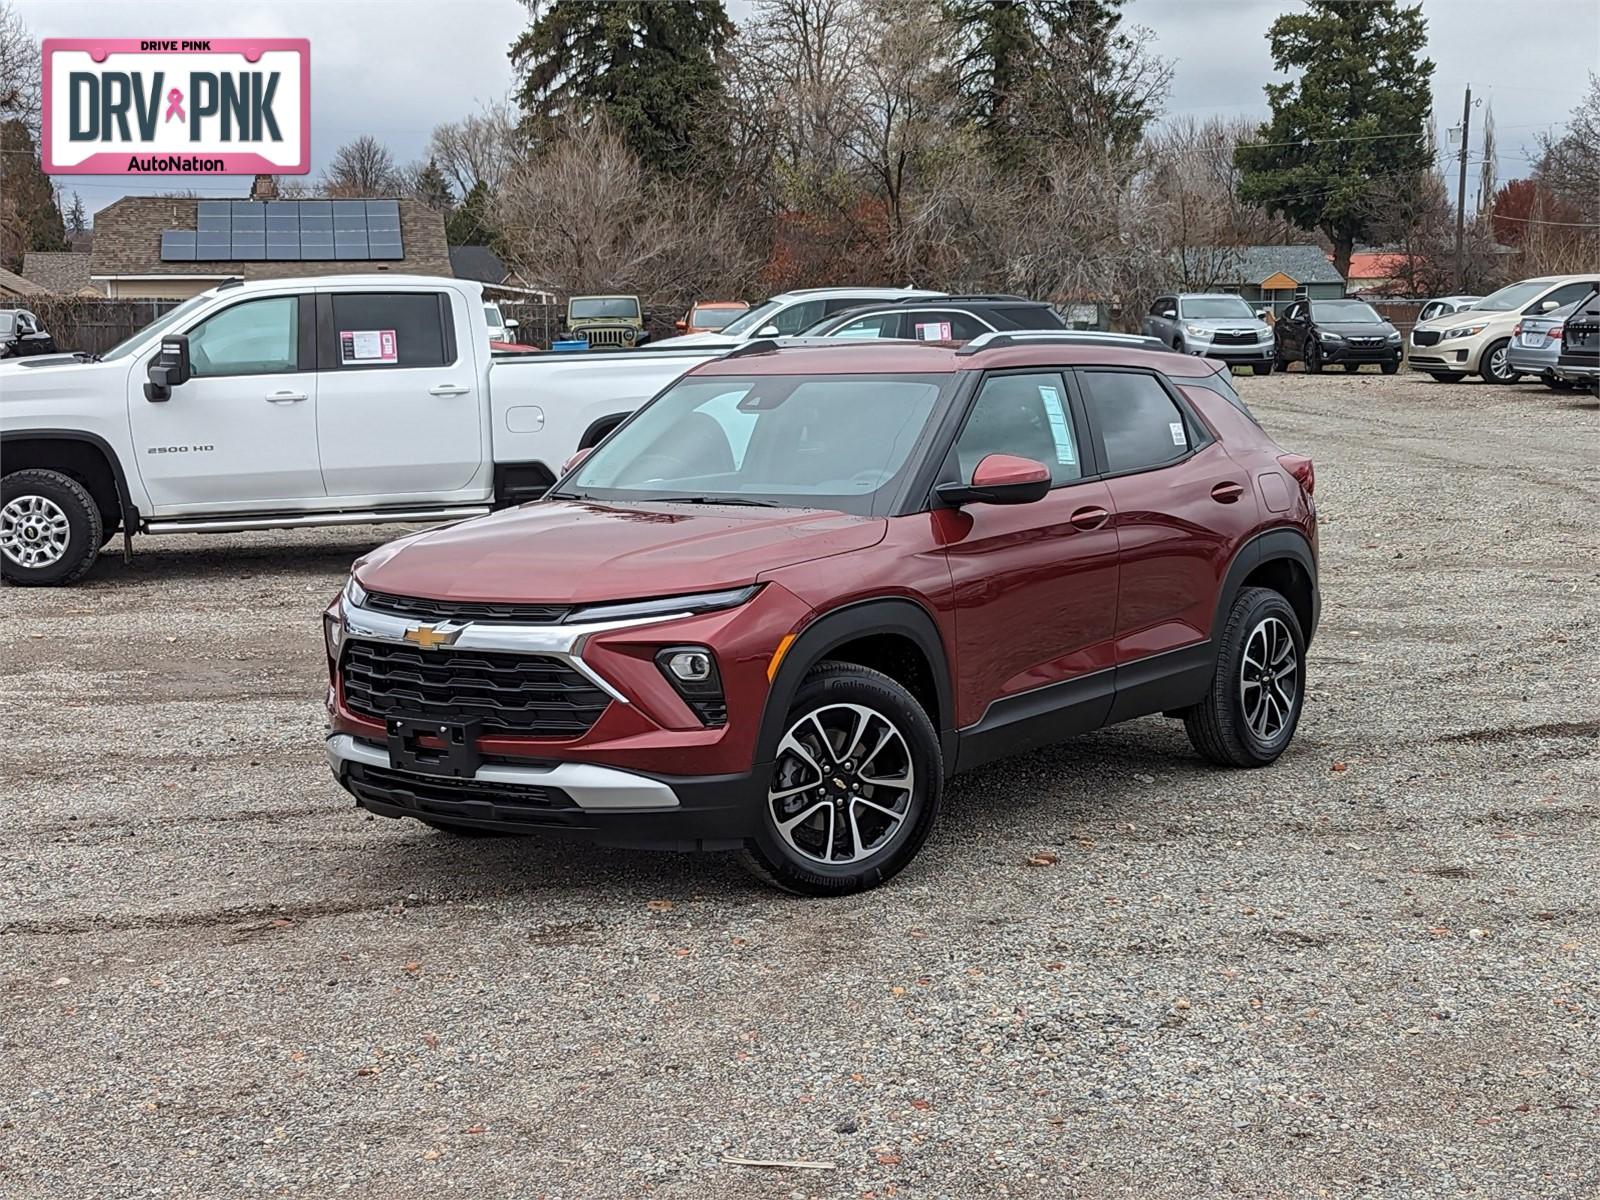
{"x":175,"y":105}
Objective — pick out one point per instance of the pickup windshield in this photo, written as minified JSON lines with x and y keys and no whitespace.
{"x":158,"y":326}
{"x":616,"y":308}
{"x":831,"y":441}
{"x":1222,"y":308}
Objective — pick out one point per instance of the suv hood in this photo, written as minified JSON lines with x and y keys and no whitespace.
{"x":1472,"y":316}
{"x":1242,"y":324}
{"x":565,"y":551}
{"x":1356,"y":328}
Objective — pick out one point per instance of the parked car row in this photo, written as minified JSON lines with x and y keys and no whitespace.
{"x":1479,"y":340}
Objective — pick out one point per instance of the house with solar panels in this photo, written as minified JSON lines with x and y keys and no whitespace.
{"x":174,"y":247}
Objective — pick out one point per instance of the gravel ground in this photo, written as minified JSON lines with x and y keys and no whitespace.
{"x":1373,"y":970}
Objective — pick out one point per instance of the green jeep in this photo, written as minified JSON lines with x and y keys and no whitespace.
{"x":608,"y":322}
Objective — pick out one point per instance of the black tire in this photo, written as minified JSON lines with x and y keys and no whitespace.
{"x":1390,"y":368}
{"x":84,"y":536}
{"x":1313,"y":359}
{"x":826,"y":689}
{"x":1219,"y":726}
{"x":1261,"y":368}
{"x":1493,"y":353}
{"x":466,"y":831}
{"x":1280,"y":360}
{"x":1557,"y":385}
{"x":1447,"y":376}
{"x":1351,"y":368}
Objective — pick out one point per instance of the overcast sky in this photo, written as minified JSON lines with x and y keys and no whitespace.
{"x":396,"y":68}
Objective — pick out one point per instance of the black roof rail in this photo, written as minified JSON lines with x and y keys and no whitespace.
{"x":756,"y":346}
{"x":969,"y":297}
{"x":1072,"y":337}
{"x":231,"y":282}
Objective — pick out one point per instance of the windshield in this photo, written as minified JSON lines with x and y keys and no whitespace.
{"x":1200,"y":308}
{"x":159,"y":325}
{"x":6,"y":322}
{"x":819,"y":441}
{"x":621,"y":308}
{"x":1513,"y":296}
{"x":1344,"y":310}
{"x":753,"y":319}
{"x":491,"y":314}
{"x":712,"y":316}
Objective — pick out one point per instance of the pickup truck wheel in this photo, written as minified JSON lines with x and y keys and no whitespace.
{"x":1249,"y":716}
{"x":855,"y":785}
{"x":50,"y":529}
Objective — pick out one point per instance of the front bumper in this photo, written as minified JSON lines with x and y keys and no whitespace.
{"x":1530,"y":361}
{"x":1261,"y":352}
{"x":1578,"y":372}
{"x":601,"y":804}
{"x":1344,"y":352}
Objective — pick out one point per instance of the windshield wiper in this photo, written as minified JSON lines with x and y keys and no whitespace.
{"x":745,"y":501}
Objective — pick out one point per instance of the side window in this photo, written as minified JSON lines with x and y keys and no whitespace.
{"x":879,"y":325}
{"x":1139,"y":424}
{"x":397,"y":329}
{"x":1026,"y":415}
{"x":1564,"y":295}
{"x":1430,"y":311}
{"x":257,"y":337}
{"x":946,"y":326}
{"x":799,"y":317}
{"x":1159,"y":306}
{"x":25,"y":323}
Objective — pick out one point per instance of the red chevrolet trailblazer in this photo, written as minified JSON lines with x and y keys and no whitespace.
{"x":794,"y":593}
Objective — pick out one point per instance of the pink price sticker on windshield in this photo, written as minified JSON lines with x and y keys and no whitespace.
{"x":208,"y":106}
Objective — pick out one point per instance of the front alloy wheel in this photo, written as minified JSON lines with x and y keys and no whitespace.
{"x":854,"y":788}
{"x":1497,"y":364}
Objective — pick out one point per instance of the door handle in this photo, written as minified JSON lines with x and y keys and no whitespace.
{"x":1089,"y":518}
{"x":448,"y":389}
{"x":285,"y":397}
{"x":1227,"y":493}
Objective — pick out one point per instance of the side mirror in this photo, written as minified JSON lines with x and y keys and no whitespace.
{"x":169,"y":368}
{"x":1261,"y":314}
{"x":767,"y":331}
{"x":1000,"y":479}
{"x":681,"y":325}
{"x":576,"y":459}
{"x":512,"y":323}
{"x":1548,"y":306}
{"x":1170,"y":313}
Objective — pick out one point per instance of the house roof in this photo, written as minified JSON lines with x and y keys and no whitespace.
{"x":59,"y":272}
{"x":1375,"y":264}
{"x":477,"y":262}
{"x":1306,"y":263}
{"x":127,"y":242}
{"x":12,"y":284}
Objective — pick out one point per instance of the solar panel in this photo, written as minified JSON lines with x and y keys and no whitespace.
{"x":288,"y":231}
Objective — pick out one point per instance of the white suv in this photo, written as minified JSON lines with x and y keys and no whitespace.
{"x":1477,"y":341}
{"x":791,"y":313}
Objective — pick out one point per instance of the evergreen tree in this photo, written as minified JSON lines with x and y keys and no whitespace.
{"x":1357,"y":115}
{"x":650,"y":66}
{"x":471,"y":222}
{"x":77,"y":219}
{"x":30,"y":219}
{"x":432,"y":189}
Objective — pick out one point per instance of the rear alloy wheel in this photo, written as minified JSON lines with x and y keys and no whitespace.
{"x":855,"y":785}
{"x":50,"y":529}
{"x":1250,"y":714}
{"x":1496,"y":366}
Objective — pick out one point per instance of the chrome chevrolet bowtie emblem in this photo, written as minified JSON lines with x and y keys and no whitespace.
{"x":430,"y":637}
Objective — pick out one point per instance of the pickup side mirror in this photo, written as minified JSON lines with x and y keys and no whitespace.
{"x":576,"y":459}
{"x":169,"y":368}
{"x":512,"y":323}
{"x":1000,"y":479}
{"x":680,"y":324}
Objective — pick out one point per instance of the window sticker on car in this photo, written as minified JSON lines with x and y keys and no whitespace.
{"x":1177,"y":433}
{"x":367,"y":346}
{"x":933,"y":331}
{"x":1066,"y":452}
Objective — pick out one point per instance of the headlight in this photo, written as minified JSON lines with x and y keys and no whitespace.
{"x":1394,"y":338}
{"x":1330,"y":337}
{"x":700,"y":602}
{"x":1461,"y":331}
{"x":1197,"y":330}
{"x":1264,"y":335}
{"x":332,"y":634}
{"x":355,"y":596}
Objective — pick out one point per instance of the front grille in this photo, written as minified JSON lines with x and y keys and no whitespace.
{"x":610,"y":337}
{"x":1366,"y":341}
{"x":459,"y":799}
{"x":1425,"y":337}
{"x":1226,"y":338}
{"x":485,"y":612}
{"x":529,"y":694}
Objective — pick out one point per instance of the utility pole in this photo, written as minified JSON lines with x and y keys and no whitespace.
{"x":1461,"y":197}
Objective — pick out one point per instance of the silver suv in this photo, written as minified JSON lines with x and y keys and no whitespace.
{"x":1213,"y":324}
{"x":791,"y":313}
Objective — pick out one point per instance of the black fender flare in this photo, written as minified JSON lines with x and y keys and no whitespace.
{"x":601,"y":427}
{"x":838,"y":626}
{"x":100,"y":444}
{"x":1273,"y":544}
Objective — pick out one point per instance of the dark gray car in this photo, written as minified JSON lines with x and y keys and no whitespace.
{"x":1213,"y":324}
{"x":1348,"y":332}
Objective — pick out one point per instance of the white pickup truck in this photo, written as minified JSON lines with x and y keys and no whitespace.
{"x":338,"y":400}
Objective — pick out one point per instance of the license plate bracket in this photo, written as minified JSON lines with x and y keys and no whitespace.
{"x":453,"y":752}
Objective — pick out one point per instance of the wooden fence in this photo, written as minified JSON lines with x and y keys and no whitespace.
{"x":83,"y":323}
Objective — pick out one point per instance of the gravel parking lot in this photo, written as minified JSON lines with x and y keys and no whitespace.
{"x":1373,"y":970}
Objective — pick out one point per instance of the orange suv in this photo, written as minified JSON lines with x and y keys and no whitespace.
{"x":709,"y":316}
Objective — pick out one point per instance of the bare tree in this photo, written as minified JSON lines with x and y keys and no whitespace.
{"x":19,"y":70}
{"x":481,"y":146}
{"x":1569,"y":165}
{"x":585,"y":217}
{"x":363,"y":167}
